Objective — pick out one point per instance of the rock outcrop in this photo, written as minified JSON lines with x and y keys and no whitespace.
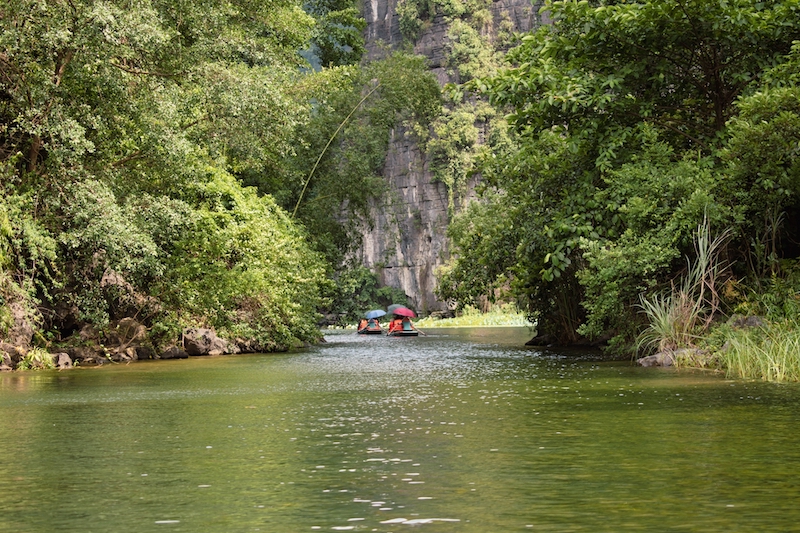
{"x":173,"y":352}
{"x":9,"y":357}
{"x":408,"y":241}
{"x":62,"y":360}
{"x":691,"y":357}
{"x":21,"y":332}
{"x":122,"y":341}
{"x":202,"y":341}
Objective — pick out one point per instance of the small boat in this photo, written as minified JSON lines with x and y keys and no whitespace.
{"x":403,"y":333}
{"x":372,"y":327}
{"x":406,"y":329}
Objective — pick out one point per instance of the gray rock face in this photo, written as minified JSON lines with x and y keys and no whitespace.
{"x":173,"y":352}
{"x":409,"y":239}
{"x":383,"y":26}
{"x":409,"y":242}
{"x":62,"y":360}
{"x":6,"y":363}
{"x":660,"y":359}
{"x":21,"y":331}
{"x":10,"y":355}
{"x":692,"y":357}
{"x":126,"y":333}
{"x":201,"y":341}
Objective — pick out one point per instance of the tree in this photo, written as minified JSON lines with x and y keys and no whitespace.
{"x":334,"y":173}
{"x":121,"y":131}
{"x":338,"y":36}
{"x":609,"y":106}
{"x":763,"y":166}
{"x":604,"y":67}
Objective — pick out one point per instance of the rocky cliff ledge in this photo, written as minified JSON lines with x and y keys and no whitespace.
{"x":409,"y":242}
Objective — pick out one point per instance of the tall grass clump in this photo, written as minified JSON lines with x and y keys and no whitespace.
{"x":503,"y":315}
{"x":771,"y":353}
{"x":677,"y":318}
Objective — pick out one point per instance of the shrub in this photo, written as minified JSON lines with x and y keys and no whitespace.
{"x":36,"y":359}
{"x":678,"y":317}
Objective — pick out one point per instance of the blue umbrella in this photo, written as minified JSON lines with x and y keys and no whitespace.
{"x":375,"y":313}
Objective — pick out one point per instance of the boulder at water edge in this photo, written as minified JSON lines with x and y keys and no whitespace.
{"x":202,"y":341}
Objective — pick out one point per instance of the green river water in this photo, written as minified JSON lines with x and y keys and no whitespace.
{"x":463,"y":430}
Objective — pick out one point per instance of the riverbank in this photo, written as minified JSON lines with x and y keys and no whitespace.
{"x":744,"y":348}
{"x":122,"y":341}
{"x":472,"y":317}
{"x":741,"y":347}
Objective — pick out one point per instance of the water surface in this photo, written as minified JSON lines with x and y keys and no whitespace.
{"x":463,"y":430}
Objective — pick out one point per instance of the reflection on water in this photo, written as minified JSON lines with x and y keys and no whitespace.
{"x":460,"y":430}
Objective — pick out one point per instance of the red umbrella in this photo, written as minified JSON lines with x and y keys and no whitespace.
{"x":403,"y":311}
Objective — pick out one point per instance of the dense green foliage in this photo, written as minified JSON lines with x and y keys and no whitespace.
{"x":348,"y":177}
{"x":338,"y":35}
{"x":128,"y":137}
{"x":470,"y":317}
{"x":632,"y":123}
{"x":121,"y":130}
{"x":333,"y":174}
{"x":181,"y":163}
{"x":358,"y":290}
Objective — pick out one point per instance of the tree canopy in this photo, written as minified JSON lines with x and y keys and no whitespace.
{"x":629,"y":123}
{"x":129,"y":133}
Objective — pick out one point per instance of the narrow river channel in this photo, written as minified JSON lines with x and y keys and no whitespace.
{"x":462,"y":430}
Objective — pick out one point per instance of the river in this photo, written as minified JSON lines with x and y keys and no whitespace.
{"x":462,"y":430}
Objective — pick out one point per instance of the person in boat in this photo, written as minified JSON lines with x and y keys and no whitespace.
{"x":401,"y":323}
{"x":369,"y":326}
{"x":396,"y":324}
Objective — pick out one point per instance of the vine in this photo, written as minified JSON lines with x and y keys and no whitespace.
{"x":454,"y":141}
{"x":455,"y":146}
{"x":417,"y":15}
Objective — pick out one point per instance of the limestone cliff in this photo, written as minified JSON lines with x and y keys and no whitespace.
{"x":409,"y":242}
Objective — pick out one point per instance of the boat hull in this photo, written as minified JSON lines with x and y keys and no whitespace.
{"x":402,"y":333}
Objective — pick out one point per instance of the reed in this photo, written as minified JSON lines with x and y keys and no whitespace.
{"x":770,"y":353}
{"x":671,"y":321}
{"x":675,"y":318}
{"x":471,"y":317}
